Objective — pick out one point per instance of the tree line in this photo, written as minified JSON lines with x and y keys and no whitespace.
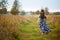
{"x":16,"y":8}
{"x":38,"y":11}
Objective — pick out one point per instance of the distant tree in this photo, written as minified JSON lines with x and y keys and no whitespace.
{"x":32,"y":13}
{"x":3,"y":6}
{"x":23,"y":12}
{"x":37,"y":12}
{"x":56,"y":13}
{"x":15,"y":7}
{"x":46,"y":11}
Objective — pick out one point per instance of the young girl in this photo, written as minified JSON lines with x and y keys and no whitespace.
{"x":43,"y":26}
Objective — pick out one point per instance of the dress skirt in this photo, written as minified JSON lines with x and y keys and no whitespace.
{"x":43,"y":26}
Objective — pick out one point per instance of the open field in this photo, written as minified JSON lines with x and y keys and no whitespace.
{"x":17,"y":27}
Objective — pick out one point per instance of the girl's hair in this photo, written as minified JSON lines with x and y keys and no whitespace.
{"x":42,"y":10}
{"x":42,"y":14}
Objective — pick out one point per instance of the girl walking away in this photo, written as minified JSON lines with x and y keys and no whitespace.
{"x":43,"y":26}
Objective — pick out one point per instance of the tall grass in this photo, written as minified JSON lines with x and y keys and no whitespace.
{"x":9,"y":27}
{"x":53,"y":22}
{"x":17,"y":27}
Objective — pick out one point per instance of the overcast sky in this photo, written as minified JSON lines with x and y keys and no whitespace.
{"x":33,"y":5}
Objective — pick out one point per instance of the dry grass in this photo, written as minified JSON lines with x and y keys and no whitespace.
{"x":9,"y":26}
{"x":17,"y":27}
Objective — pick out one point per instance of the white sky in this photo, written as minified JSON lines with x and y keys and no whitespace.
{"x":33,"y":5}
